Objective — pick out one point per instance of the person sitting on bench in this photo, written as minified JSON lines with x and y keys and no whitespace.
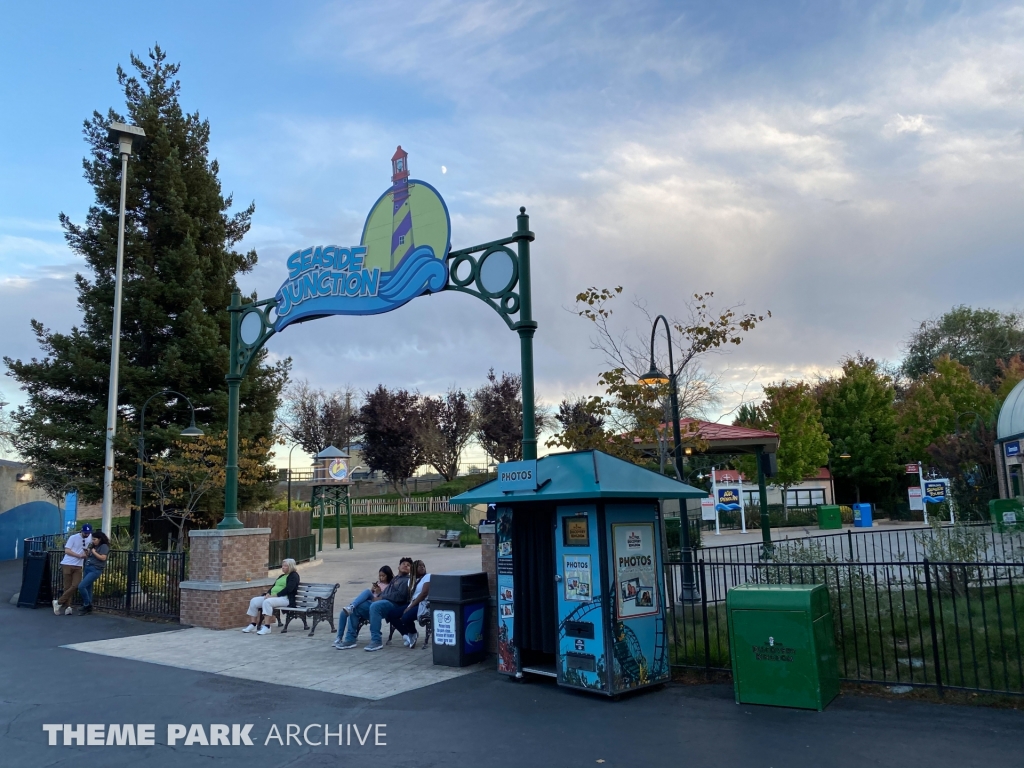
{"x":278,"y":596}
{"x":384,"y":577}
{"x":388,"y":605}
{"x":417,"y":606}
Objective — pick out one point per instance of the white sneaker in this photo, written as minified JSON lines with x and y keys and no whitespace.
{"x":405,"y":640}
{"x":413,"y":639}
{"x":250,"y":628}
{"x":68,"y":611}
{"x":264,"y":630}
{"x":56,"y":608}
{"x":374,"y":647}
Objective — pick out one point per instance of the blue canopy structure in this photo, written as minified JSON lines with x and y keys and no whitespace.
{"x":585,"y":475}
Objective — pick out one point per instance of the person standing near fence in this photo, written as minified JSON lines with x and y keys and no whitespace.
{"x":71,"y":568}
{"x":95,"y":562}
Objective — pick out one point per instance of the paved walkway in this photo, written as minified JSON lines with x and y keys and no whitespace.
{"x":473,"y":719}
{"x":354,"y":672}
{"x":317,"y":666}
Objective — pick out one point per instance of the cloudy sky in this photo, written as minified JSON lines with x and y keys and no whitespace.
{"x":853,"y":167}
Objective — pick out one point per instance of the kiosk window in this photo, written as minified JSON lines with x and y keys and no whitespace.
{"x":576,"y":531}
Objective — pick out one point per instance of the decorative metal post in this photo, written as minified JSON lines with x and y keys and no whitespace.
{"x":762,"y":490}
{"x":234,"y":378}
{"x":250,"y":329}
{"x":348,"y":509}
{"x":526,"y":327}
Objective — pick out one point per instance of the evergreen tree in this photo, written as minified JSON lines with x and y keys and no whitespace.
{"x":180,"y":269}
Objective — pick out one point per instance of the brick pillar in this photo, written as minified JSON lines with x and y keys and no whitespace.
{"x":226,"y":569}
{"x":489,"y":565}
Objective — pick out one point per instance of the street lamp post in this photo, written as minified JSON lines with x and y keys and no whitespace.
{"x":654,"y":377}
{"x":190,"y":431}
{"x":125,"y":135}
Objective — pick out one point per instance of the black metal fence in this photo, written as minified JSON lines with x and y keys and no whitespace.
{"x":937,"y":624}
{"x":301,"y":549}
{"x":155,"y":579}
{"x":979,"y":542}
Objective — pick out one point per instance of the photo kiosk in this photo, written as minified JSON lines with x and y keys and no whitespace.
{"x":581,"y":588}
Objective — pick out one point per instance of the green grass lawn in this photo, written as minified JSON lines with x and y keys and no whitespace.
{"x":116,"y":522}
{"x":440,"y":521}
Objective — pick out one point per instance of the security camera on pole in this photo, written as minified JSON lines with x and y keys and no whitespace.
{"x":125,"y":136}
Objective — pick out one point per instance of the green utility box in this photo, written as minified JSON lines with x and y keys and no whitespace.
{"x":1007,"y":514}
{"x":830,"y":517}
{"x":782,"y":645}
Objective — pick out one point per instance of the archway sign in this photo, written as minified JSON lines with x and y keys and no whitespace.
{"x":405,"y":252}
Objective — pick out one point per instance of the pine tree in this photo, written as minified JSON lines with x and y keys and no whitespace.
{"x":180,"y":269}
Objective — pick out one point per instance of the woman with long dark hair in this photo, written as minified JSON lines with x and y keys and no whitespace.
{"x":384,"y":577}
{"x":95,"y":563}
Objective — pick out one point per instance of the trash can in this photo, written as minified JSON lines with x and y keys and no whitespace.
{"x":1006,"y":514}
{"x":782,"y":645}
{"x":829,"y":517}
{"x":861,"y":515}
{"x":458,"y":607}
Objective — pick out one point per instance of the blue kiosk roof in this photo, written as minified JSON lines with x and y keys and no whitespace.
{"x":585,"y":475}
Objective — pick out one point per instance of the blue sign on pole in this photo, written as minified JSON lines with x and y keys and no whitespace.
{"x":517,"y":476}
{"x":1012,"y":448}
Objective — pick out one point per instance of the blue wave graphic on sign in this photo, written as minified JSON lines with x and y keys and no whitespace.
{"x":419,"y":272}
{"x":933,"y":500}
{"x":727,"y":507}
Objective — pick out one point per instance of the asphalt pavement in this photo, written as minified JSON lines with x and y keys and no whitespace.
{"x":481,"y":719}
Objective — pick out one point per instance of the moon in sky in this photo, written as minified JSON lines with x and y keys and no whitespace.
{"x":444,"y":169}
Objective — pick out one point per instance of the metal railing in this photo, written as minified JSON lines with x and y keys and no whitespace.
{"x":933,"y":624}
{"x":301,"y":549}
{"x":972,"y":542}
{"x":156,"y":591}
{"x":402,"y":507}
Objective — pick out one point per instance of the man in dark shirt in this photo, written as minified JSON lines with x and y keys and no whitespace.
{"x":387,"y":606}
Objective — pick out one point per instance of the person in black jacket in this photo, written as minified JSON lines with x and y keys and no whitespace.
{"x":278,"y":596}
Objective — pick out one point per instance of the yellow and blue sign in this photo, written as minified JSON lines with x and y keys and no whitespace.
{"x":728,"y":500}
{"x":402,"y":255}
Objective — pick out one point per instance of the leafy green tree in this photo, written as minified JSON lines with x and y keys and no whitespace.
{"x":180,"y":268}
{"x":932,"y":405}
{"x":791,"y":411}
{"x":978,"y":338}
{"x":858,"y":415}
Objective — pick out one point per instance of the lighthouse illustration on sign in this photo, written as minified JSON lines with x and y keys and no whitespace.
{"x":402,"y":254}
{"x":401,"y":217}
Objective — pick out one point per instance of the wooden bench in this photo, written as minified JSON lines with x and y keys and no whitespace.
{"x":451,"y":538}
{"x":311,"y":600}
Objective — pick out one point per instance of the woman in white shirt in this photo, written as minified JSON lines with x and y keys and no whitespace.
{"x":417,"y":606}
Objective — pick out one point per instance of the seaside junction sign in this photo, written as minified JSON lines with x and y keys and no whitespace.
{"x":404,"y":252}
